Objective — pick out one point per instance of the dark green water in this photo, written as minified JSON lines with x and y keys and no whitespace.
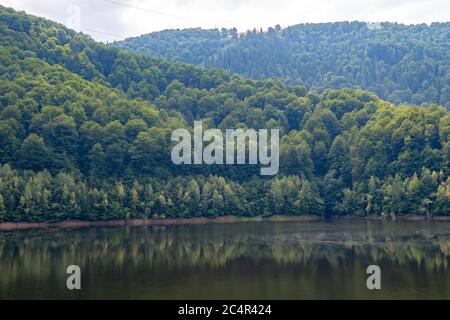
{"x":266,"y":260}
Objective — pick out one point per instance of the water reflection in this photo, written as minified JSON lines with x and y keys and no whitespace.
{"x":315,"y":260}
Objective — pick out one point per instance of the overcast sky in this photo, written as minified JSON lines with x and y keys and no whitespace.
{"x":109,"y":20}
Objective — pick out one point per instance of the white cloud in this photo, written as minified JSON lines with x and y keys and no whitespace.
{"x":144,"y":16}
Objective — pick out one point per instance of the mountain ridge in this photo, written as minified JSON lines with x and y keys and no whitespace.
{"x":401,"y":63}
{"x":85,"y":131}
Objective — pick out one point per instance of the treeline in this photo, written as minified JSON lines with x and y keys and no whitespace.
{"x":193,"y":46}
{"x":139,"y":76}
{"x":100,"y":120}
{"x":401,"y":63}
{"x":39,"y":196}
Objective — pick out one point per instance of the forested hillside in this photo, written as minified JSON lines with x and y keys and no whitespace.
{"x":85,"y":134}
{"x":401,"y":63}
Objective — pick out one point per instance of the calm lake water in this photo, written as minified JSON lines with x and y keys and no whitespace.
{"x":260,"y":260}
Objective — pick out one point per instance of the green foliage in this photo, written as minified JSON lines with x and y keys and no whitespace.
{"x":401,"y":63}
{"x":85,"y":134}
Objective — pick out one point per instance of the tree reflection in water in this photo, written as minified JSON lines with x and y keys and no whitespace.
{"x":244,"y":260}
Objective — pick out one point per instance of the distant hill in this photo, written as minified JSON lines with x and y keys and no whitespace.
{"x":400,"y":63}
{"x":85,"y":133}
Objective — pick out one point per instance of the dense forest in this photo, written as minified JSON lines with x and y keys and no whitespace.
{"x":400,"y":63}
{"x":85,"y":133}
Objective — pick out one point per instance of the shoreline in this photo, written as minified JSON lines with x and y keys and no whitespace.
{"x":11,"y":226}
{"x":69,"y":224}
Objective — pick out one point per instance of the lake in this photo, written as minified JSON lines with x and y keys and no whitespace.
{"x":249,"y":260}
